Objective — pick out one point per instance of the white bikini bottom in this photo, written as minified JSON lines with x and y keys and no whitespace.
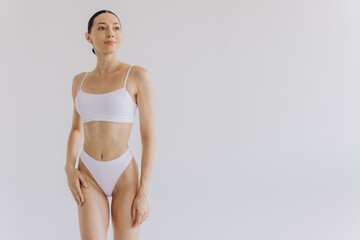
{"x":106,"y":173}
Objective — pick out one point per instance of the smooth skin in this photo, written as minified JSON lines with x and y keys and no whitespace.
{"x":105,"y":141}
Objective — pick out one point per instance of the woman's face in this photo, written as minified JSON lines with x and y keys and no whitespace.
{"x":106,"y":27}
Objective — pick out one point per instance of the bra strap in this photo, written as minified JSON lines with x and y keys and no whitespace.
{"x":127,"y":76}
{"x":83,"y":80}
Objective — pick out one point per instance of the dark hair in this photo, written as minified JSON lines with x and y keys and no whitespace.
{"x":91,"y":21}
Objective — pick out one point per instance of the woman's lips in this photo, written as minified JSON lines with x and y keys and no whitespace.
{"x":110,"y":43}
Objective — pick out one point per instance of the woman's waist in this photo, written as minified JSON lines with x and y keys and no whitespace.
{"x":105,"y":150}
{"x":106,"y":134}
{"x":104,"y":140}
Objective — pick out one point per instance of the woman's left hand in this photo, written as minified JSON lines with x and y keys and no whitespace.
{"x":140,"y":208}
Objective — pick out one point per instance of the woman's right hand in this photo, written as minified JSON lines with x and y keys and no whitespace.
{"x":75,"y":178}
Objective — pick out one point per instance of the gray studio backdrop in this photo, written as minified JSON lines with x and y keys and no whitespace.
{"x":257,"y":116}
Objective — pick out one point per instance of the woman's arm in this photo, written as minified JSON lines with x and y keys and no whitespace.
{"x":75,"y":139}
{"x":147,"y":125}
{"x":74,"y":146}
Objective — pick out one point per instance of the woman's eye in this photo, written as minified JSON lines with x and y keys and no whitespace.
{"x":103,"y":27}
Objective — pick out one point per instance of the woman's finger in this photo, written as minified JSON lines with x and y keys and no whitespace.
{"x":141,"y":218}
{"x":137,"y":218}
{"x":133,"y":213}
{"x":83,"y":181}
{"x":146,"y":215}
{"x":78,"y":191}
{"x":76,"y":197}
{"x":140,"y":215}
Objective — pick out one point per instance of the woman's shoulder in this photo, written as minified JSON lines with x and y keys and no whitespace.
{"x":79,"y":76}
{"x":140,"y":73}
{"x":76,"y":82}
{"x":138,"y":69}
{"x":141,"y":77}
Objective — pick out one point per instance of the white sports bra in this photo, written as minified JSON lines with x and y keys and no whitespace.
{"x":115,"y":106}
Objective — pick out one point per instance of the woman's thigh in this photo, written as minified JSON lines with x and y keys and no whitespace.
{"x":94,"y":212}
{"x":123,"y":196}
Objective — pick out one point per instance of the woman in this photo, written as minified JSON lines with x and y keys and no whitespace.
{"x":105,"y":103}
